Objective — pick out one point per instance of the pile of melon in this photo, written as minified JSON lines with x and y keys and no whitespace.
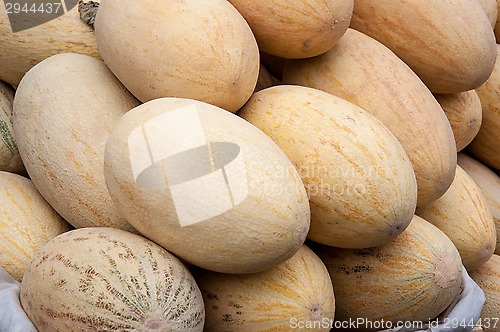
{"x":251,"y":165}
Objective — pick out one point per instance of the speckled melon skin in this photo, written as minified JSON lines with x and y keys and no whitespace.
{"x":64,"y":110}
{"x":27,"y":222}
{"x":24,"y":49}
{"x":366,"y":73}
{"x":10,"y":161}
{"x":414,"y":277}
{"x":105,"y":279}
{"x":465,"y":114}
{"x":489,"y":183}
{"x":361,"y":184}
{"x":463,"y":214}
{"x":488,"y":278}
{"x":264,"y":228}
{"x":437,"y":40}
{"x":298,"y":291}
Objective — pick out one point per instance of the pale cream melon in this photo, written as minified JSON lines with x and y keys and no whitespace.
{"x":197,"y":49}
{"x":206,"y":185}
{"x":490,"y":7}
{"x":64,"y":110}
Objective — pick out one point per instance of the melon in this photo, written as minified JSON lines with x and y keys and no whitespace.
{"x":363,"y":71}
{"x":465,"y":114}
{"x":206,"y":185}
{"x":21,"y":50}
{"x":64,"y":110}
{"x":106,"y":279}
{"x":360,"y":182}
{"x":412,"y":278}
{"x":488,"y":278}
{"x":27,"y":223}
{"x":463,"y":214}
{"x":486,"y":145}
{"x":296,"y":294}
{"x":489,"y":183}
{"x":10,"y":161}
{"x":296,"y":29}
{"x":449,"y":44}
{"x":490,"y":7}
{"x":196,"y":49}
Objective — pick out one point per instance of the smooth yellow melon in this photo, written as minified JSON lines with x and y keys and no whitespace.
{"x":363,"y":71}
{"x":27,"y":222}
{"x":463,"y":214}
{"x":412,"y":278}
{"x":489,"y":183}
{"x":294,"y":295}
{"x":360,"y":182}
{"x":465,"y":114}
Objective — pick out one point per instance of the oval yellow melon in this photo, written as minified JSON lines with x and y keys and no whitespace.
{"x":294,"y":295}
{"x":361,"y":70}
{"x":296,"y":29}
{"x":10,"y":161}
{"x":24,"y":49}
{"x":490,"y":7}
{"x":486,"y":145}
{"x":197,"y":49}
{"x":488,"y":278}
{"x":206,"y":185}
{"x":463,"y":214}
{"x":489,"y":183}
{"x":412,"y":278}
{"x":438,"y":40}
{"x":465,"y":114}
{"x":360,"y":182}
{"x":106,"y":279}
{"x":27,"y":223}
{"x":64,"y":110}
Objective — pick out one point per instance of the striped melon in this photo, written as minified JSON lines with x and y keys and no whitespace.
{"x":295,"y":293}
{"x":24,"y":49}
{"x":27,"y":222}
{"x":363,"y":71}
{"x":488,"y":278}
{"x":486,"y":145}
{"x":463,"y":214}
{"x":106,"y":279}
{"x":464,"y":112}
{"x":360,"y":182}
{"x":489,"y":183}
{"x":10,"y":161}
{"x":64,"y":110}
{"x":412,"y":278}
